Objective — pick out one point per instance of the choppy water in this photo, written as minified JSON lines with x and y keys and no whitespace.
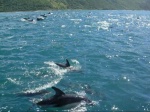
{"x":109,"y":52}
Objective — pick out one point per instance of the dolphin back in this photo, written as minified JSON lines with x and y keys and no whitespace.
{"x":64,"y":65}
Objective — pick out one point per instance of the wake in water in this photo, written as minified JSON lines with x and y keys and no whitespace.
{"x":75,"y":66}
{"x":53,"y":72}
{"x":58,"y":74}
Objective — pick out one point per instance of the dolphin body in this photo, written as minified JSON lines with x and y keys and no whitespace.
{"x":44,"y":15}
{"x":28,"y":19}
{"x":60,"y":99}
{"x":64,"y":65}
{"x":40,"y":18}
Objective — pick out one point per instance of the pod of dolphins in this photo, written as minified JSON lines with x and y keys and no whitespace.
{"x":39,"y":18}
{"x":60,"y":99}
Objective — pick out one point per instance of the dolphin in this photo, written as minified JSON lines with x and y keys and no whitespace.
{"x":44,"y":15}
{"x":60,"y":99}
{"x":40,"y":18}
{"x":28,"y":19}
{"x":64,"y":65}
{"x":30,"y":94}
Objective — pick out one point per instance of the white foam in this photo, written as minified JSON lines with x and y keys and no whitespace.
{"x":14,"y":81}
{"x":63,"y":26}
{"x":70,"y":106}
{"x":51,"y":63}
{"x":48,"y":85}
{"x":114,"y":108}
{"x":76,"y":19}
{"x":87,"y":26}
{"x":81,"y":107}
{"x":34,"y":21}
{"x":75,"y":61}
{"x":103,"y":25}
{"x":55,"y":69}
{"x":60,"y":71}
{"x":22,"y":19}
{"x":82,"y":93}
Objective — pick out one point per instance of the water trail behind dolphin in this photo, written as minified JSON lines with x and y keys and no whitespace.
{"x":56,"y":73}
{"x":75,"y":66}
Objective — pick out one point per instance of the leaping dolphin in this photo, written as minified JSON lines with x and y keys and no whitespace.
{"x":60,"y":99}
{"x":64,"y":65}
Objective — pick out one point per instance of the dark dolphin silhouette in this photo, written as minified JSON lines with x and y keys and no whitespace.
{"x":44,"y":15}
{"x":60,"y":99}
{"x":64,"y":65}
{"x":28,"y":19}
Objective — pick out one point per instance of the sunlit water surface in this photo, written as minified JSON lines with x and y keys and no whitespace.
{"x":109,"y":52}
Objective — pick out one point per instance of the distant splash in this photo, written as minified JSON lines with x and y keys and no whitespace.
{"x":103,"y":25}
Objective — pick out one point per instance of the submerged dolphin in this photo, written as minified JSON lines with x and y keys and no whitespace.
{"x":60,"y":99}
{"x":64,"y":65}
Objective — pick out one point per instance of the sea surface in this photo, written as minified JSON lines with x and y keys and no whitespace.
{"x":109,"y":52}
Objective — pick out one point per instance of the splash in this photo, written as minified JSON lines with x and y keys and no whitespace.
{"x":55,"y":69}
{"x":57,"y":73}
{"x":24,"y":20}
{"x":14,"y":81}
{"x":103,"y":25}
{"x":60,"y":71}
{"x":75,"y":65}
{"x":76,"y":19}
{"x":48,"y":85}
{"x":80,"y":108}
{"x":114,"y":108}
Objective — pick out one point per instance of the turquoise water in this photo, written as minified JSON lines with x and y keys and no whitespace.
{"x":109,"y":52}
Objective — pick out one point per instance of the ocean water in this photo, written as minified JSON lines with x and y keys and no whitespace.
{"x":109,"y":52}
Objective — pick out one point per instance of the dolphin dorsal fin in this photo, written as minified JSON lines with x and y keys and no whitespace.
{"x":58,"y":91}
{"x":67,"y":63}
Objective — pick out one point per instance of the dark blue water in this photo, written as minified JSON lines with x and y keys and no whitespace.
{"x":109,"y":52}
